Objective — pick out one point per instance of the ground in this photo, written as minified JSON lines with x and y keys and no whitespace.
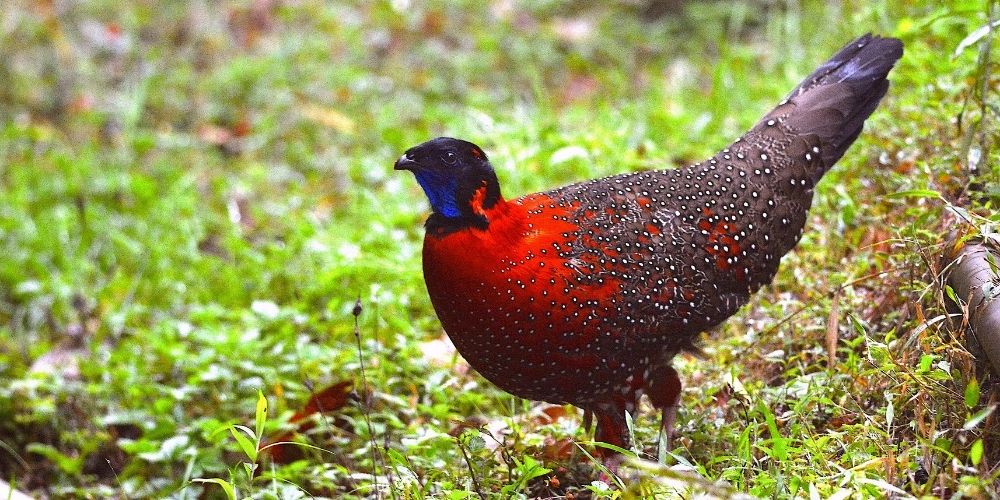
{"x":195,"y":198}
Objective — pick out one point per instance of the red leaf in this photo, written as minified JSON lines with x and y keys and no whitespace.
{"x":327,"y":400}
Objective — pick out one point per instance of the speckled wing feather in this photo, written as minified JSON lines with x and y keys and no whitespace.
{"x":688,"y":247}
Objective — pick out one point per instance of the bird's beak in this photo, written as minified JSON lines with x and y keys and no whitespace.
{"x":405,"y":163}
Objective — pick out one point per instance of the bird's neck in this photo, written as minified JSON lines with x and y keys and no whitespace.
{"x":478,"y":207}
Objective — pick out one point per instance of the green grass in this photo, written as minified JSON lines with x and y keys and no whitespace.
{"x":193,"y":197}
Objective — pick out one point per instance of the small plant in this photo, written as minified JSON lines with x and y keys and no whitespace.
{"x":249,"y":441}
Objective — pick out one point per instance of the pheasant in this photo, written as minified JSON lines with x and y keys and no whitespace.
{"x":583,"y":294}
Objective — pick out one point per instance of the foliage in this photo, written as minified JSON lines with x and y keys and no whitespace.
{"x":194,"y":195}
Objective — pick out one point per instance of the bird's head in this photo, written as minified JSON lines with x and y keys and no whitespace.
{"x":458,"y":180}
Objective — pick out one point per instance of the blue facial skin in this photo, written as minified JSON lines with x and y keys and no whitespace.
{"x":440,"y":189}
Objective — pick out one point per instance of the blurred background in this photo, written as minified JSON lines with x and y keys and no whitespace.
{"x":194,"y":195}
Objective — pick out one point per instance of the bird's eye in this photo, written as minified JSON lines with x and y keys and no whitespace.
{"x":450,"y":157}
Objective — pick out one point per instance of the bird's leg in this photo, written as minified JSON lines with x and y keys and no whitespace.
{"x":611,"y":429}
{"x":663,"y":387}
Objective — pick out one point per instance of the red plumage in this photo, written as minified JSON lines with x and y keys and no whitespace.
{"x":584,"y":294}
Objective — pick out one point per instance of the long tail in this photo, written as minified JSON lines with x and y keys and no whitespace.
{"x":833,"y":102}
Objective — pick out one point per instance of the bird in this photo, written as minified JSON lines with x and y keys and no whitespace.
{"x":583,"y":294}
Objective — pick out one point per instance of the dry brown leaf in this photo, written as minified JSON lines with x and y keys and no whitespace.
{"x":329,"y":399}
{"x":558,"y":450}
{"x":549,"y":414}
{"x":328,"y":117}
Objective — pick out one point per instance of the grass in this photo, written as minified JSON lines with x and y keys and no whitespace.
{"x":194,"y":196}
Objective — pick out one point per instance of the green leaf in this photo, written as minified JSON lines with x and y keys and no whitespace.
{"x":925,"y":363}
{"x":976,"y":452}
{"x":230,"y":491}
{"x":780,"y":444}
{"x":972,"y":393}
{"x":978,"y":418}
{"x":247,"y":444}
{"x":915,"y":193}
{"x":859,"y":328}
{"x":396,"y":457}
{"x":261,"y":415}
{"x":474,"y":441}
{"x":528,"y":470}
{"x":950,"y":292}
{"x":743,"y":446}
{"x":609,"y":446}
{"x":250,"y":468}
{"x":67,"y":464}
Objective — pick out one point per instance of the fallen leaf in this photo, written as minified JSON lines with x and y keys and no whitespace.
{"x":331,"y":398}
{"x":558,"y":450}
{"x":549,"y":414}
{"x":328,"y":117}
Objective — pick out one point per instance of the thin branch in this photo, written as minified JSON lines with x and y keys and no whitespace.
{"x":377,"y":458}
{"x":472,"y":473}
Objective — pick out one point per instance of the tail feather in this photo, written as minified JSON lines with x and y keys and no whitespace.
{"x":835,"y":100}
{"x":862,"y":62}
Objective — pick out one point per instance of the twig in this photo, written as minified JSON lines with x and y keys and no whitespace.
{"x":472,"y":472}
{"x":377,"y":458}
{"x":117,"y":479}
{"x":504,"y":454}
